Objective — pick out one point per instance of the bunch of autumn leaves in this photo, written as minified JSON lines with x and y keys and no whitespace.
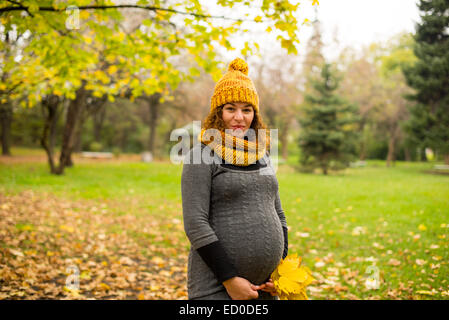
{"x":291,"y":279}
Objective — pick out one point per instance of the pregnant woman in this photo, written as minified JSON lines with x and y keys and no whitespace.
{"x":232,"y":212}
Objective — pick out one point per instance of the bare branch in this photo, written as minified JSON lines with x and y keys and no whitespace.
{"x":150,"y":8}
{"x":20,"y":7}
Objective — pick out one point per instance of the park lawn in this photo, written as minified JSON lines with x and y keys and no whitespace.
{"x":395,"y":219}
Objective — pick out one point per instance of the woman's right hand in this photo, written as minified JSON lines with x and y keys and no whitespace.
{"x":240,"y":289}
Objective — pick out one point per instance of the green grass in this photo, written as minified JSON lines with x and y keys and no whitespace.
{"x":401,"y":212}
{"x":96,"y":181}
{"x":391,"y":203}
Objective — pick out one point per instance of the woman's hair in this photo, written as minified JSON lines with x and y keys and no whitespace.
{"x":215,"y":120}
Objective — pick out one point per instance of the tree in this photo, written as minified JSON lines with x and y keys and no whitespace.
{"x":9,"y":48}
{"x":276,"y":81}
{"x":51,"y":112}
{"x":327,"y":139}
{"x":82,"y":50}
{"x":5,"y":127}
{"x":429,"y":77}
{"x":362,"y":85}
{"x":394,"y":89}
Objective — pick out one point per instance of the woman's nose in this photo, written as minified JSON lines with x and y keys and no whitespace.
{"x":238,"y":115}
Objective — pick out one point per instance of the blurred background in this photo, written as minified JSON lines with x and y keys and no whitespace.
{"x":121,"y":80}
{"x":90,"y":93}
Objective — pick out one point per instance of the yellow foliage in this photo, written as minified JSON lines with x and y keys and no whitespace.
{"x":291,"y":279}
{"x":422,"y":227}
{"x":112,"y":69}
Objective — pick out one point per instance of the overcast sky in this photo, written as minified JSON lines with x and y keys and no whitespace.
{"x":360,"y":22}
{"x":357,"y":23}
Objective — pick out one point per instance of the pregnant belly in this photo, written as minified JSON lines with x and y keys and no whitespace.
{"x":254,"y":242}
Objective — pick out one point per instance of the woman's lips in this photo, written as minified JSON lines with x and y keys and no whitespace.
{"x":237,"y":127}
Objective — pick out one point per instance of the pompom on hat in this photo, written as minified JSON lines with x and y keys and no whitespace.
{"x":235,"y":86}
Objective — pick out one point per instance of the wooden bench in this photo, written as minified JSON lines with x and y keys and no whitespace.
{"x":441,"y":167}
{"x":357,"y":164}
{"x":97,"y":155}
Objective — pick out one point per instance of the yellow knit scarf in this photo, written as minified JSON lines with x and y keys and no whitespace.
{"x":235,"y":150}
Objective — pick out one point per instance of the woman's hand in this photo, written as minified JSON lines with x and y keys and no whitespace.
{"x":241,"y":289}
{"x":268,"y":287}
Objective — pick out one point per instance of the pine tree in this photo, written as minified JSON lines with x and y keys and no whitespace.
{"x":429,"y":121}
{"x":328,"y":138}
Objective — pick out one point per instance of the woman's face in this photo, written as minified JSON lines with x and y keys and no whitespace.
{"x":238,"y":117}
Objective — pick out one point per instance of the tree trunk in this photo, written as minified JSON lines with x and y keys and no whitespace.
{"x":5,"y":122}
{"x":6,"y":108}
{"x":50,"y":110}
{"x":391,"y":156}
{"x":324,"y":170}
{"x":153,"y":104}
{"x":173,"y":126}
{"x":83,"y":115}
{"x":98,"y":121}
{"x":325,"y":163}
{"x":73,"y":113}
{"x":92,"y":109}
{"x":390,"y":151}
{"x":446,"y":159}
{"x":407,"y":154}
{"x":362,"y":155}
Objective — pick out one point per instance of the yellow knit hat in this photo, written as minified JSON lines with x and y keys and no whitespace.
{"x":235,"y":86}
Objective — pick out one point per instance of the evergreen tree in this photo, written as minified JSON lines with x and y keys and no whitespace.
{"x":328,"y":138}
{"x":429,"y":121}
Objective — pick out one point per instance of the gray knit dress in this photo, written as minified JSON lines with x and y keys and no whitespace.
{"x":241,"y":209}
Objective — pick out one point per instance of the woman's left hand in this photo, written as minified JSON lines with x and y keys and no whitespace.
{"x":267,"y":287}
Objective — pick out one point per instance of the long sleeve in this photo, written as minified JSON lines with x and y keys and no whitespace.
{"x":277,"y":200}
{"x":196,"y":183}
{"x":218,"y":261}
{"x":285,"y":253}
{"x":279,"y":210}
{"x":195,"y":189}
{"x":281,"y":215}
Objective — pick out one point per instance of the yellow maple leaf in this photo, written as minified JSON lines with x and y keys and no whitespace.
{"x":291,"y":279}
{"x":289,"y":286}
{"x":289,"y":264}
